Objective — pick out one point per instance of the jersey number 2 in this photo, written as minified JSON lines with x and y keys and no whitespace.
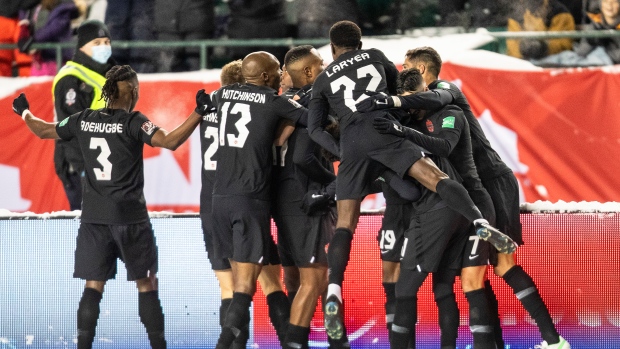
{"x":104,"y":174}
{"x":349,"y":85}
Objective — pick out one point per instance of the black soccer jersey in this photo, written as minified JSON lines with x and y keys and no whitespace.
{"x":450,"y":138}
{"x":343,"y":83}
{"x":112,"y":142}
{"x":488,"y":162}
{"x":248,"y":116}
{"x":209,"y":143}
{"x":299,"y":166}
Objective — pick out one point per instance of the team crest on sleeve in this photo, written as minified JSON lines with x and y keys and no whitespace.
{"x":444,"y":85}
{"x":148,"y":127}
{"x":294,"y":103}
{"x":429,"y":125}
{"x":70,"y":97}
{"x":63,"y":122}
{"x":448,"y":122}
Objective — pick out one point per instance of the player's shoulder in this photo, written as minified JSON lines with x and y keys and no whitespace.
{"x":450,"y":116}
{"x":444,"y":85}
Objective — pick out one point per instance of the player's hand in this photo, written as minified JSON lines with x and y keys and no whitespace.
{"x":375,"y":101}
{"x":20,"y":103}
{"x":387,"y":126}
{"x":203,"y":103}
{"x":315,"y":201}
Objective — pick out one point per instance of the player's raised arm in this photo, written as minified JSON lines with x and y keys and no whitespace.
{"x":41,"y":128}
{"x":173,"y":139}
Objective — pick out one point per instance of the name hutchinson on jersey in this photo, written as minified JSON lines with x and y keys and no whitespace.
{"x":101,"y":127}
{"x":244,"y":96}
{"x":338,"y":67}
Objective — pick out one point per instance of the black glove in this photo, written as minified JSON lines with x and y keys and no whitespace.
{"x":375,"y":101}
{"x":203,"y":103}
{"x":20,"y":103}
{"x":315,"y":201}
{"x":384,"y":125}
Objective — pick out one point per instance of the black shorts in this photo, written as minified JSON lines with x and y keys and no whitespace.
{"x":207,"y":232}
{"x":435,"y":239}
{"x":391,"y":236}
{"x":241,"y":229}
{"x":504,"y":191}
{"x":99,"y":245}
{"x":477,"y":251}
{"x":365,"y":153}
{"x":302,"y":239}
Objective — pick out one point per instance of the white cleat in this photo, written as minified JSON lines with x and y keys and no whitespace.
{"x":562,"y":344}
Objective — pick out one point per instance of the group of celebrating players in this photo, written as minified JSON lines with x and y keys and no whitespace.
{"x":265,"y":155}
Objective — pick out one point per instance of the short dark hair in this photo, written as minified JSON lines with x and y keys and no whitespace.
{"x":408,"y":80}
{"x":297,"y":53}
{"x":231,"y":73}
{"x":117,"y":73}
{"x":428,"y":55}
{"x":345,"y":34}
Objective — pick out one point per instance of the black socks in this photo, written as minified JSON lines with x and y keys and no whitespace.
{"x":279,"y":313}
{"x":479,"y":322}
{"x":87,"y":315}
{"x":338,"y":255}
{"x":152,"y":316}
{"x":525,"y":289}
{"x":457,"y":198}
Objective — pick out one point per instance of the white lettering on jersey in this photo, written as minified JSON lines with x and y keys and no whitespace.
{"x":346,"y":63}
{"x":211,"y":117}
{"x":244,"y":96}
{"x":101,"y":127}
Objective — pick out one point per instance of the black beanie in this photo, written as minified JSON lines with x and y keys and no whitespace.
{"x":91,"y":30}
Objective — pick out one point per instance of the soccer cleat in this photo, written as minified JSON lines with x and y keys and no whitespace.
{"x":562,"y":344}
{"x":502,"y":242}
{"x":334,"y":319}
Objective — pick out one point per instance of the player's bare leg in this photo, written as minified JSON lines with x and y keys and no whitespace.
{"x":456,"y":197}
{"x":237,"y":316}
{"x":526,"y":291}
{"x":313,"y":281}
{"x":279,"y":306}
{"x":337,"y":258}
{"x":291,"y":282}
{"x":88,"y":313}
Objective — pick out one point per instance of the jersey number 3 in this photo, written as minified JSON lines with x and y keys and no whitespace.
{"x":104,"y":174}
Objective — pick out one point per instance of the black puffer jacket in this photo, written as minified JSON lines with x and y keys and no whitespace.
{"x":184,"y":16}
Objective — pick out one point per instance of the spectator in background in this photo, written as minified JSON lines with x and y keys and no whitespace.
{"x":316,"y":17}
{"x":182,"y":20}
{"x":607,"y":19}
{"x":257,"y":19}
{"x":77,"y":86}
{"x":473,"y":13}
{"x":539,"y":15}
{"x":55,"y":28}
{"x":96,"y":9}
{"x":133,"y":20}
{"x":10,"y":32}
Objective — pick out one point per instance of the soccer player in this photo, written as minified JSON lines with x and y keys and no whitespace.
{"x":445,"y":133}
{"x":269,"y":278}
{"x":301,"y":205}
{"x":114,"y":222}
{"x":500,"y":183}
{"x":365,"y":154}
{"x":248,"y":116}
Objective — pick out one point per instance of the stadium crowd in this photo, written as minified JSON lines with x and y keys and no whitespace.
{"x":24,"y":22}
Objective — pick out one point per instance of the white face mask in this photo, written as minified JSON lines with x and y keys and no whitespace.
{"x":102,"y":53}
